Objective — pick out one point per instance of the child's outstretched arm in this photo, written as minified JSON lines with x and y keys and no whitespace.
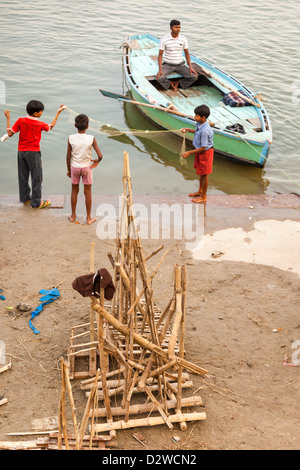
{"x":186,"y":129}
{"x":8,"y":129}
{"x":99,"y":154}
{"x":60,"y":109}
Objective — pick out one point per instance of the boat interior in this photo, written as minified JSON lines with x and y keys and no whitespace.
{"x":144,"y":67}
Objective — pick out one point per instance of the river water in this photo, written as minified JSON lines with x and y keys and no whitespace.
{"x":64,"y":51}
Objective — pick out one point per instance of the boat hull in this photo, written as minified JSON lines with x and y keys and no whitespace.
{"x":230,"y":145}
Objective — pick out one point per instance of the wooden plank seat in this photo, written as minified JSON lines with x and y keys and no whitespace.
{"x":171,"y":75}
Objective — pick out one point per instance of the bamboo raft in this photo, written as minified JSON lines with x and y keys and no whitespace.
{"x":134,"y":351}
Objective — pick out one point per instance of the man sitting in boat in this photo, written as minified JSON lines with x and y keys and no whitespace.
{"x":172,"y":46}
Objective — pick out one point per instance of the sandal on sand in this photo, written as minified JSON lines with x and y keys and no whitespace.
{"x":44,"y":204}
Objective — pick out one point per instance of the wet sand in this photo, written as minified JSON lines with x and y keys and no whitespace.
{"x":242,"y":316}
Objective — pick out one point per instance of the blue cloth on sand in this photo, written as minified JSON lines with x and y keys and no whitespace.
{"x":48,"y":297}
{"x":2,"y":296}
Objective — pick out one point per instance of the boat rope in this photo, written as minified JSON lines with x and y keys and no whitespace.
{"x":105,"y":129}
{"x":269,"y":161}
{"x":109,"y":129}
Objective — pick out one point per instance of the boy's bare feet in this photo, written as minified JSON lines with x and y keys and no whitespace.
{"x":174,"y":85}
{"x":195,"y":194}
{"x":200,"y":200}
{"x":90,"y":221}
{"x":71,"y":218}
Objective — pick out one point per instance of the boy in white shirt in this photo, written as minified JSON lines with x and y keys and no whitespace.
{"x":170,"y":59}
{"x":80,"y":165}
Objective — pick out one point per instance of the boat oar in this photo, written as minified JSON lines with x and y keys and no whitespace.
{"x":116,"y":96}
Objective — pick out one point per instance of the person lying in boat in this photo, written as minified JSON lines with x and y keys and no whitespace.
{"x":170,"y":59}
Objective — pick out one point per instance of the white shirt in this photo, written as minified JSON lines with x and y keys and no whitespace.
{"x":82,"y":149}
{"x":173,"y":48}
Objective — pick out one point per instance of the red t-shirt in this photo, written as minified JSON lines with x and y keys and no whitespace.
{"x":30,"y":129}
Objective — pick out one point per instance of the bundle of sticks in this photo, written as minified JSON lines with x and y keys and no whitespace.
{"x":140,"y":349}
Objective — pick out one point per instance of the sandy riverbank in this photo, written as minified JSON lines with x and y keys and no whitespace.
{"x":242,"y":317}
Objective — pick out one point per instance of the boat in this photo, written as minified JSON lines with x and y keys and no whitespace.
{"x":242,"y":128}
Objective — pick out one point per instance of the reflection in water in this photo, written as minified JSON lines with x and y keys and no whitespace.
{"x":164,"y":148}
{"x":257,"y":30}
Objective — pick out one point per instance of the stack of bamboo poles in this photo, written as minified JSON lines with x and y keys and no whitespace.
{"x":79,"y":440}
{"x":139,"y":348}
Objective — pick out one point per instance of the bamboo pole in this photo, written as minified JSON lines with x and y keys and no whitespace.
{"x":163,"y":315}
{"x":92,"y":416}
{"x":182,"y":340}
{"x":102,"y":358}
{"x":71,"y":360}
{"x":132,"y":326}
{"x":178,"y":312}
{"x":137,"y":300}
{"x":88,"y":382}
{"x":62,"y":411}
{"x":158,"y":407}
{"x":89,"y":403}
{"x":5,"y":368}
{"x":154,"y":252}
{"x":148,"y":407}
{"x":167,"y":323}
{"x":144,"y":377}
{"x":69,"y":388}
{"x":128,"y":177}
{"x":116,"y":383}
{"x":59,"y":436}
{"x":154,"y":388}
{"x":92,"y":361}
{"x":133,"y":383}
{"x":163,"y":368}
{"x":146,"y":344}
{"x":150,"y":421}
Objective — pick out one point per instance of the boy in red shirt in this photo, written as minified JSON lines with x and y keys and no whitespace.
{"x":29,"y":154}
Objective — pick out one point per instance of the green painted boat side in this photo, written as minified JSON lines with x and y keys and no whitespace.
{"x":230,"y":147}
{"x":251,"y":148}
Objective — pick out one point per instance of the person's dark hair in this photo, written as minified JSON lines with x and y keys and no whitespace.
{"x":34,"y":106}
{"x":174,"y":23}
{"x":202,"y":110}
{"x":81,"y":122}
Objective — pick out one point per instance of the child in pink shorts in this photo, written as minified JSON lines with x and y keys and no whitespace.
{"x":80,"y":165}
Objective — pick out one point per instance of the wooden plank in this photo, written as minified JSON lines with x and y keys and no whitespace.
{"x":143,"y":65}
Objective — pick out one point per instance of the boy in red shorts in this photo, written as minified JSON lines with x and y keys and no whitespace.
{"x":29,"y":153}
{"x":204,"y":151}
{"x":80,"y":165}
